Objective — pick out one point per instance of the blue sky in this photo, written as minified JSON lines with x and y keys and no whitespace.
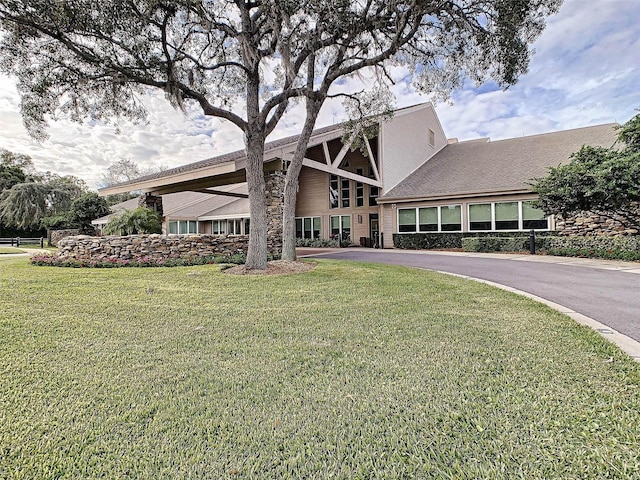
{"x":586,"y":71}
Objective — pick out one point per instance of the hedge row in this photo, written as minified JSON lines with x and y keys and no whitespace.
{"x":426,"y":241}
{"x":618,"y":248}
{"x":614,"y":248}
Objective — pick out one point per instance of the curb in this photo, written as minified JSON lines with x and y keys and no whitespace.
{"x":627,"y":344}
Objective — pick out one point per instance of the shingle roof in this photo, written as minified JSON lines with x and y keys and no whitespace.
{"x":483,"y":166}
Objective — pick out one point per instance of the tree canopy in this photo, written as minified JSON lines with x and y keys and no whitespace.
{"x":246,"y":60}
{"x":601,"y":180}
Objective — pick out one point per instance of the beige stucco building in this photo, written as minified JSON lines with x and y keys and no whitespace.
{"x":409,"y":178}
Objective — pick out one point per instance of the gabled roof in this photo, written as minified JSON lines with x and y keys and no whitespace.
{"x":233,"y":161}
{"x":479,"y":167}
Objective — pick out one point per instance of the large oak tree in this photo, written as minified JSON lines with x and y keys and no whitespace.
{"x":246,"y":60}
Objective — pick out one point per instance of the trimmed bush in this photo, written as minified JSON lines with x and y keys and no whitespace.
{"x":501,"y":244}
{"x":317,"y":242}
{"x":613,"y":248}
{"x":53,"y":261}
{"x":425,"y":241}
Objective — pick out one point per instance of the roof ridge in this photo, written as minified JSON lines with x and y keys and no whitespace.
{"x":556,"y":132}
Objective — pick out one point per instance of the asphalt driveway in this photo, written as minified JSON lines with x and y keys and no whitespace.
{"x":606,"y":291}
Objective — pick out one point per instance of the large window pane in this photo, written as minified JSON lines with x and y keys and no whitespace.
{"x":307,"y":227}
{"x":346,"y":227}
{"x":298,"y":228}
{"x":333,"y":192}
{"x":407,"y":220}
{"x":533,"y":217}
{"x":173,"y":228}
{"x":451,"y":218}
{"x":193,"y":227}
{"x":428,"y":219}
{"x":344,"y":192}
{"x":182,"y":229}
{"x":316,"y":227}
{"x":480,"y":216}
{"x":506,"y":216}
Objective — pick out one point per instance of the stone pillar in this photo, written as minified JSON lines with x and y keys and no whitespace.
{"x":274,"y":192}
{"x":154,"y":202}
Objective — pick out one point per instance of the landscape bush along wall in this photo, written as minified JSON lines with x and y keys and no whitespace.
{"x":616,"y":248}
{"x":425,"y":241}
{"x":503,"y":244}
{"x":155,"y":247}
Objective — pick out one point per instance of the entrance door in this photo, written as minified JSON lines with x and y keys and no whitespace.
{"x":374,"y":230}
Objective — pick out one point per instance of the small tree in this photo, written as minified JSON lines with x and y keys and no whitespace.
{"x":138,"y":221}
{"x":605,"y":181}
{"x":82,"y":211}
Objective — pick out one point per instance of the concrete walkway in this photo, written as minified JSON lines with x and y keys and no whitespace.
{"x":603,"y":294}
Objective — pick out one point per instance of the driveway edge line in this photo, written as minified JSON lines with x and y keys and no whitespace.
{"x":627,"y":344}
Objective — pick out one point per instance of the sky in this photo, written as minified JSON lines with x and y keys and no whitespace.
{"x":585,"y":71}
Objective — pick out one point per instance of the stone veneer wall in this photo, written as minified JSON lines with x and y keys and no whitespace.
{"x":274,"y":191}
{"x":132,"y":247}
{"x":589,"y":223}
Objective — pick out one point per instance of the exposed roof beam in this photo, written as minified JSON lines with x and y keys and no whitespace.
{"x":372,"y":161}
{"x":325,"y":149}
{"x":344,"y":150}
{"x":307,"y":162}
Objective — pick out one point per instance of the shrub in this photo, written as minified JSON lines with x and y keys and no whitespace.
{"x":317,"y":242}
{"x":613,"y":248}
{"x":140,"y":220}
{"x":53,"y":261}
{"x":418,"y":241}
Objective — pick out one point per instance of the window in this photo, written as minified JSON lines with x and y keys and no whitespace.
{"x":344,"y":192}
{"x":359,"y":189}
{"x":432,"y":138}
{"x":480,"y":216}
{"x":341,"y":227}
{"x":219,"y":227}
{"x":446,"y":218}
{"x":333,"y":192}
{"x":406,"y":220}
{"x":506,"y":215}
{"x":428,"y":219}
{"x":451,"y":218}
{"x":182,"y":227}
{"x":234,"y":227}
{"x":533,"y":218}
{"x":308,"y":227}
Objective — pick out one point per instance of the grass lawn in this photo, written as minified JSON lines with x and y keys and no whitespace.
{"x":7,"y":250}
{"x":350,"y":371}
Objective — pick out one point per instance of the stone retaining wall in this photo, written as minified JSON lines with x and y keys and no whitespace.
{"x":157,"y":247}
{"x":589,"y":223}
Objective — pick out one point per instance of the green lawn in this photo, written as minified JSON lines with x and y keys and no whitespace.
{"x":350,"y":371}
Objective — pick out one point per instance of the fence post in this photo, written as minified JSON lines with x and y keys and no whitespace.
{"x":18,"y":241}
{"x":532,"y":242}
{"x":41,"y":242}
